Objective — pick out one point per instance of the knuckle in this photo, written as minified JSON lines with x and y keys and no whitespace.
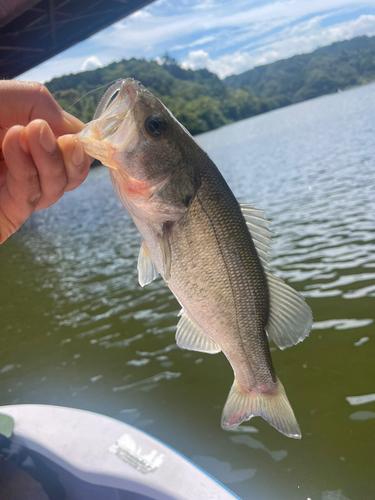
{"x":58,"y":185}
{"x":34,"y":194}
{"x":41,"y":98}
{"x":82,"y":171}
{"x":34,"y":87}
{"x":31,"y":177}
{"x":32,"y":188}
{"x":44,"y":93}
{"x":77,"y":178}
{"x":62,"y":188}
{"x":34,"y":197}
{"x":7,"y":228}
{"x":37,"y":91}
{"x":33,"y":126}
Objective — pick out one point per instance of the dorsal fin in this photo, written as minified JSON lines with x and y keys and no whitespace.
{"x":290,"y":318}
{"x":258,"y":227}
{"x":189,"y":336}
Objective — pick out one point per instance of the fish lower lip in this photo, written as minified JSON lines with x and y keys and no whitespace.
{"x":132,"y":88}
{"x":132,"y":93}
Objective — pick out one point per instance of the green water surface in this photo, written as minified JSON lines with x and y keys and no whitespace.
{"x":77,"y":330}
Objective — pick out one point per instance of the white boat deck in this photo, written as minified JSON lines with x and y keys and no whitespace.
{"x":97,"y":457}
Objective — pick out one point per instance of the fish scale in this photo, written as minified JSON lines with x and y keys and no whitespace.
{"x":210,"y":251}
{"x":222,"y":234}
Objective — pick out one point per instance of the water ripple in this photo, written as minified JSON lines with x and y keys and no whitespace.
{"x":255,"y":444}
{"x":342,"y":324}
{"x":72,"y":287}
{"x":360,"y":400}
{"x":148,"y":382}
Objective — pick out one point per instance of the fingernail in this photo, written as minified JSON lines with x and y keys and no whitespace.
{"x":47,"y":139}
{"x":77,"y":155}
{"x":72,"y":123}
{"x":23,"y":142}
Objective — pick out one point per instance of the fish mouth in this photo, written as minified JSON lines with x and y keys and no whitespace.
{"x":114,"y":107}
{"x":111,"y":126}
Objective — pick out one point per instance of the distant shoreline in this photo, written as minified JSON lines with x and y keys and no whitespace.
{"x":202,"y":102}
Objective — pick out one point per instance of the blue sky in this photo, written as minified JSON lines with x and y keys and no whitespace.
{"x":225,"y":36}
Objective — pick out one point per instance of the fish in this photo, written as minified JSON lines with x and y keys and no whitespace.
{"x":211,"y":251}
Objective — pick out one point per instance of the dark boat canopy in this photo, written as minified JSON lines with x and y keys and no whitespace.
{"x":32,"y":31}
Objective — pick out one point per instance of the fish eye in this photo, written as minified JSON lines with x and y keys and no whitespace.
{"x":155,"y":125}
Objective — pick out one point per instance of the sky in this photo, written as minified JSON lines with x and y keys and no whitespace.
{"x":225,"y":36}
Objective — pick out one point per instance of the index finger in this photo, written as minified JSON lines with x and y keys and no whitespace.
{"x":23,"y":102}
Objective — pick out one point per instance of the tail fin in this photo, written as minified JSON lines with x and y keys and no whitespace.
{"x":272,"y":405}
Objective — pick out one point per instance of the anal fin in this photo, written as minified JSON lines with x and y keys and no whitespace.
{"x":189,"y":336}
{"x":272,"y":405}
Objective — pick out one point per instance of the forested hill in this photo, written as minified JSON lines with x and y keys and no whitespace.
{"x":202,"y":102}
{"x":198,"y":99}
{"x":324,"y":71}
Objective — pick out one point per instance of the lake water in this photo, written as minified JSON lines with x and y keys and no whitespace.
{"x":77,"y":329}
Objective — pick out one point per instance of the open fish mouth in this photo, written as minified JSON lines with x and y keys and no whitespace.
{"x":111,"y":124}
{"x":125,"y":89}
{"x":114,"y":107}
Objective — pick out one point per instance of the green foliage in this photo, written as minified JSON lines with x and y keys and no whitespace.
{"x":324,"y":71}
{"x":201,"y":114}
{"x":198,"y":99}
{"x":202,"y":102}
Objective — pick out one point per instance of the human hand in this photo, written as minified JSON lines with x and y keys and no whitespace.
{"x":38,"y":160}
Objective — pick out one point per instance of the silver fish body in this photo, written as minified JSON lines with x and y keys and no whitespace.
{"x":211,"y":252}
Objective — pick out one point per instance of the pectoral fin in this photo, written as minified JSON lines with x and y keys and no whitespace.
{"x":189,"y":336}
{"x":166,"y":255}
{"x":147,"y":271}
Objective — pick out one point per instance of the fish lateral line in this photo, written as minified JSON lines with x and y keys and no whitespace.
{"x":174,"y":171}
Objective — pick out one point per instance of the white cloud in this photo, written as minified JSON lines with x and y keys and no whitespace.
{"x":91,"y":62}
{"x":300,"y":39}
{"x":204,"y":4}
{"x":237,"y":62}
{"x":201,"y":41}
{"x":145,"y":33}
{"x":235,"y":34}
{"x":197,"y":59}
{"x":57,"y":66}
{"x":63,"y":65}
{"x":139,"y":14}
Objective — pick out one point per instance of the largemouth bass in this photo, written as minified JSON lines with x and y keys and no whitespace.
{"x":210,"y":251}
